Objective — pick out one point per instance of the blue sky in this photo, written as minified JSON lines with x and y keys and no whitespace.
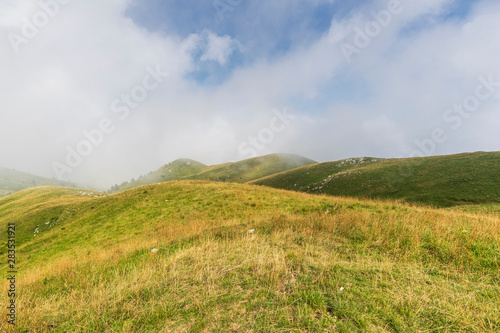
{"x":265,"y":29}
{"x":268,"y":30}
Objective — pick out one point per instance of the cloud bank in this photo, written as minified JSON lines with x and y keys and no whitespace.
{"x":79,"y":72}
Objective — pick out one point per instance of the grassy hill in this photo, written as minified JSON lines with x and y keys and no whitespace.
{"x":172,"y":171}
{"x":238,"y":172}
{"x":253,"y":168}
{"x":472,"y":178}
{"x":12,"y":181}
{"x":192,"y":256}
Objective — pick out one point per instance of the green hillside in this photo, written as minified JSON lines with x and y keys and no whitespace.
{"x":172,"y":171}
{"x":193,"y":256}
{"x":238,"y":172}
{"x":253,"y":168}
{"x":12,"y":181}
{"x":472,"y":178}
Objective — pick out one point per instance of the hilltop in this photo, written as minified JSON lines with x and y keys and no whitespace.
{"x":238,"y":172}
{"x":192,"y":256}
{"x":172,"y":171}
{"x":253,"y":168}
{"x":12,"y":181}
{"x":444,"y":181}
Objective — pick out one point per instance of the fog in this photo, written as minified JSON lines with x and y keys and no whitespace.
{"x":98,"y":92}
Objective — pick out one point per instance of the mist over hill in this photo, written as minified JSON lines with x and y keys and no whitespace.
{"x":444,"y":181}
{"x":12,"y":181}
{"x":238,"y":172}
{"x":262,"y":166}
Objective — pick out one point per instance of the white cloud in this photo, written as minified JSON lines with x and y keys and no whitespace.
{"x":66,"y":78}
{"x":218,"y":48}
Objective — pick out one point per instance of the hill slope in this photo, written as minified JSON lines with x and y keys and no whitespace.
{"x":253,"y":168}
{"x":12,"y":181}
{"x":179,"y":257}
{"x":472,"y":178}
{"x":238,"y":172}
{"x":172,"y":171}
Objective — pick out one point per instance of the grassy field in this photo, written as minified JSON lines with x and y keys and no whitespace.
{"x":485,"y":208}
{"x":442,"y":181}
{"x":181,"y":257}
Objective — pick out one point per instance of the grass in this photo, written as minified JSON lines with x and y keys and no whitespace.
{"x":441,"y":181}
{"x":401,"y":267}
{"x":485,"y":209}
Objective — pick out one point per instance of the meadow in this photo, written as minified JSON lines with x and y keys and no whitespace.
{"x":200,"y":256}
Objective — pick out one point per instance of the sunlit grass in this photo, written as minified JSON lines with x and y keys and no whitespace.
{"x":401,"y":267}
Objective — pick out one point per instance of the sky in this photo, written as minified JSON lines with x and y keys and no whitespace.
{"x":98,"y":92}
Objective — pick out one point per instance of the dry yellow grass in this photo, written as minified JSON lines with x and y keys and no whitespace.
{"x":401,"y":267}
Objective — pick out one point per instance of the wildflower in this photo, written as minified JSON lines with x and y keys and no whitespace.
{"x":154,"y":250}
{"x":251,"y":231}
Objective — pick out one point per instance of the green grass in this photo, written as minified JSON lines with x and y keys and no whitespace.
{"x":402,"y":268}
{"x":483,"y":209}
{"x":442,"y":181}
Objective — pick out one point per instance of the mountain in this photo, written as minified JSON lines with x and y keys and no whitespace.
{"x":12,"y":181}
{"x":192,"y":256}
{"x":471,"y":178}
{"x":239,"y":172}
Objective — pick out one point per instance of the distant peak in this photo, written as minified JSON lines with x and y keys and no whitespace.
{"x":186,"y":161}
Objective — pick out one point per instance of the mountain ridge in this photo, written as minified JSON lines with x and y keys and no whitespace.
{"x":239,"y":172}
{"x":12,"y":180}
